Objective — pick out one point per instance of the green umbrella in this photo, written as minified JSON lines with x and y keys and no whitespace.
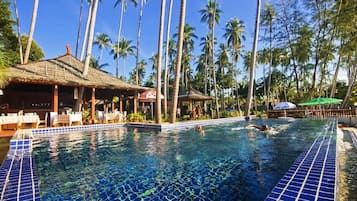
{"x":321,"y":101}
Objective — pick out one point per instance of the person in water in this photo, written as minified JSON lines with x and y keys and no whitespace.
{"x":259,"y":127}
{"x":200,"y":130}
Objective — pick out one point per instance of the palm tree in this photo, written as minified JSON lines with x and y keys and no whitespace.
{"x":178,"y":61}
{"x":95,"y":63}
{"x":222,"y":63}
{"x":90,"y":37}
{"x":211,"y":14}
{"x":138,"y":71}
{"x":167,"y":46}
{"x":159,"y":63}
{"x":252,"y":67}
{"x":32,"y":30}
{"x":103,"y":41}
{"x":142,"y":2}
{"x":84,"y":44}
{"x":18,"y":33}
{"x":267,"y":20}
{"x":234,"y":31}
{"x":188,"y":44}
{"x":122,"y":51}
{"x":79,"y":27}
{"x":122,"y":10}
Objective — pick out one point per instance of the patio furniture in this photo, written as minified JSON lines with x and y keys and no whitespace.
{"x":43,"y":122}
{"x":29,"y":118}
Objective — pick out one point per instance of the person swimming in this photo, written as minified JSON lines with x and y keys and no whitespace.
{"x":200,"y":130}
{"x":263,"y":127}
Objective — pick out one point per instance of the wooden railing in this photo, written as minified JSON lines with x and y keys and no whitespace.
{"x":322,"y":113}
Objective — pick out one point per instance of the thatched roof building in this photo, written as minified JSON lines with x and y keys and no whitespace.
{"x":66,"y":70}
{"x":193,"y":95}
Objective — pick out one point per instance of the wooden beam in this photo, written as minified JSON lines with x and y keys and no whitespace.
{"x":55,"y":98}
{"x":121,"y":103}
{"x":93,"y":105}
{"x":136,"y":102}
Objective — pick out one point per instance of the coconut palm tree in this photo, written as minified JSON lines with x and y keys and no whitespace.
{"x":268,"y":17}
{"x":142,"y":2}
{"x":79,"y":27}
{"x":223,"y":63}
{"x":140,"y":71}
{"x":159,"y":63}
{"x":234,"y":33}
{"x":252,"y":66}
{"x":102,"y":41}
{"x":211,"y":14}
{"x":90,"y":37}
{"x":32,"y":30}
{"x":18,"y":33}
{"x":167,"y":46}
{"x":122,"y":10}
{"x":84,"y":44}
{"x":178,"y":60}
{"x":122,"y":51}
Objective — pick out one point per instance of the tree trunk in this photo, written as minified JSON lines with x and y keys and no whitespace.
{"x":352,"y":76}
{"x":138,"y":42}
{"x":90,"y":38}
{"x":334,"y":80}
{"x":18,"y":32}
{"x":89,"y":50}
{"x":178,"y":61}
{"x":159,"y":63}
{"x":84,"y":44}
{"x":254,"y":55}
{"x":32,"y":30}
{"x":79,"y":27}
{"x":119,"y":33}
{"x":214,"y":70}
{"x":166,"y":84}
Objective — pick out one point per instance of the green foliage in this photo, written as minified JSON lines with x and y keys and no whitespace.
{"x":36,"y":53}
{"x":135,"y":117}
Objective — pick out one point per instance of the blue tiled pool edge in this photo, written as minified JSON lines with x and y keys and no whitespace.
{"x":313,"y":174}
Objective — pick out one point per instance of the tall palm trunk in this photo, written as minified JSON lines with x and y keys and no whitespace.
{"x":159,"y":63}
{"x":166,"y":80}
{"x":352,"y":76}
{"x":79,"y":27}
{"x":32,"y":30}
{"x":178,"y":61}
{"x":119,"y":33}
{"x":333,"y":88}
{"x":270,"y":63}
{"x":84,"y":45}
{"x":254,"y":55}
{"x":214,"y":70}
{"x":18,"y":32}
{"x":94,"y":4}
{"x":90,"y":38}
{"x":138,"y":42}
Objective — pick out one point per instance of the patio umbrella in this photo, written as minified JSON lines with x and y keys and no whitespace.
{"x":284,"y":106}
{"x":321,"y":101}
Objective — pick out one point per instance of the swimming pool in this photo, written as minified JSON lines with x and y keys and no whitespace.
{"x":228,"y":162}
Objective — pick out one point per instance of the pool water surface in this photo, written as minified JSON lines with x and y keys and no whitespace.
{"x":227,"y":162}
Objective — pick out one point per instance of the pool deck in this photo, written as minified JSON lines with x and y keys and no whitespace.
{"x":311,"y":177}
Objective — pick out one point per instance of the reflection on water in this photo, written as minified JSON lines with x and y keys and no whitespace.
{"x":348,"y":170}
{"x":122,"y":164}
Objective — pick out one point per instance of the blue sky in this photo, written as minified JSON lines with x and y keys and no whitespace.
{"x":57,"y":23}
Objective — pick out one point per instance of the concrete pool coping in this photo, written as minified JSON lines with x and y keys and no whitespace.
{"x":22,"y":182}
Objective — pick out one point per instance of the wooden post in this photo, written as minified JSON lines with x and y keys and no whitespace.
{"x":93,"y":105}
{"x":135,"y":102}
{"x":55,"y":98}
{"x":121,"y":103}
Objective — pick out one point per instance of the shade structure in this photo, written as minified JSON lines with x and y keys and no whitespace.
{"x":284,"y":106}
{"x":321,"y":101}
{"x":149,"y":96}
{"x":193,"y":95}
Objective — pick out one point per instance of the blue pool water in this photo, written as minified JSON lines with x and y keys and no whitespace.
{"x":228,"y":162}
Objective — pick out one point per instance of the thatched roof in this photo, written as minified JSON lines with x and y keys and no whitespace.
{"x":65,"y":70}
{"x":194,"y":95}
